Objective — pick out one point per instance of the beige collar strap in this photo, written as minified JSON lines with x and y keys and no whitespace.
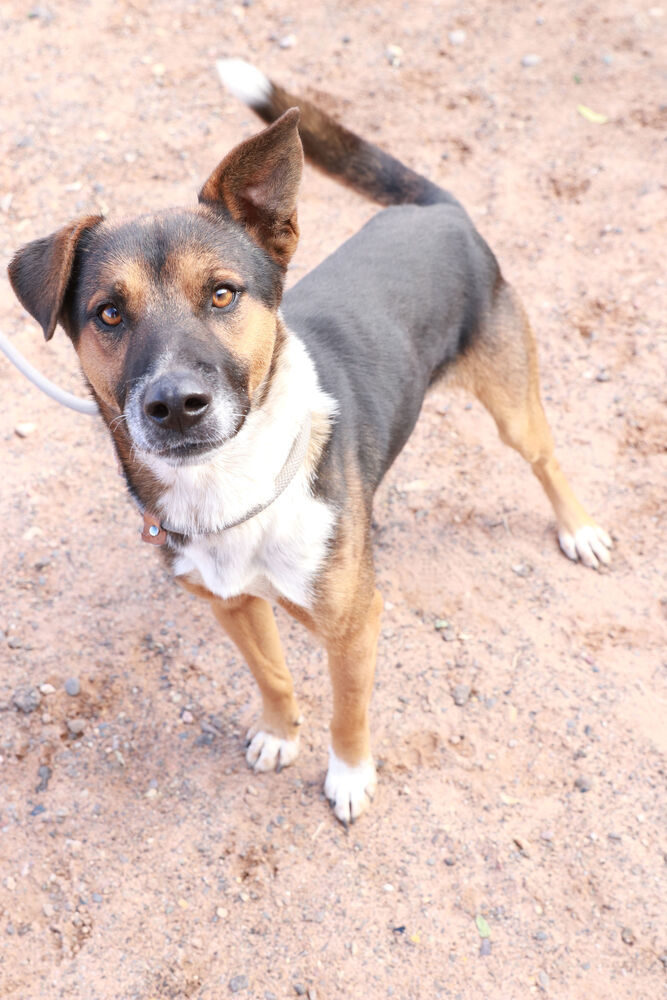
{"x":155,"y":533}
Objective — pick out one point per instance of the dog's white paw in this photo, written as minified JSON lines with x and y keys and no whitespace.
{"x":350,"y":790}
{"x":267,"y":752}
{"x":590,"y":544}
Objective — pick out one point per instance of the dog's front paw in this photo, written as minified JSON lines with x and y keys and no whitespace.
{"x":267,"y":752}
{"x":590,"y":544}
{"x":350,"y":790}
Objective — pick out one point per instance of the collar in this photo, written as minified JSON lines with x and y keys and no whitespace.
{"x":155,"y":532}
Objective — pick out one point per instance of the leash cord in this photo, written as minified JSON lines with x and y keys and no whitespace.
{"x":42,"y":382}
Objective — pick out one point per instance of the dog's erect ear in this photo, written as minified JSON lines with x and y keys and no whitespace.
{"x":40,"y":272}
{"x":258,"y":184}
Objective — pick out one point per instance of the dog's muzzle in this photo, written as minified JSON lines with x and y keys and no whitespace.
{"x":182,"y":413}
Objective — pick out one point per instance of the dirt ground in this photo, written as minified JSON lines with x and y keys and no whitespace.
{"x":139,"y":858}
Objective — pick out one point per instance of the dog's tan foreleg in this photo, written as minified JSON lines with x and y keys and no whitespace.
{"x":501,"y":369}
{"x":250,"y":623}
{"x":350,"y":782}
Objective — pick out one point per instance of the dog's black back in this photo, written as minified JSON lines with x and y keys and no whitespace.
{"x":384,"y":315}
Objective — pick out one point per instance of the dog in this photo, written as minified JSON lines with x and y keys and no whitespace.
{"x":253,"y":429}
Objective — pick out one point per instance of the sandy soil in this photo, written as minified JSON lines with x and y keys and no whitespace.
{"x":139,"y":858}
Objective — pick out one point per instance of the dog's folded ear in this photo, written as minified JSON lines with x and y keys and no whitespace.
{"x":41,"y":271}
{"x":258,"y":182}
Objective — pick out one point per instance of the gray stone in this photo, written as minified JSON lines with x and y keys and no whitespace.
{"x":76,"y":726}
{"x":73,"y":686}
{"x":627,"y":936}
{"x":44,"y":774}
{"x":26,"y":699}
{"x":238,"y":983}
{"x":461,"y":693}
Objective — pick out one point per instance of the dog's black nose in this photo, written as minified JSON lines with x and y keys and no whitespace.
{"x":176,"y":401}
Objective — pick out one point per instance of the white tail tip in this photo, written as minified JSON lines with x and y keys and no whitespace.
{"x":244,"y":81}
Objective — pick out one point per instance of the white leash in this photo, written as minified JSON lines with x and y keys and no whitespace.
{"x":45,"y":384}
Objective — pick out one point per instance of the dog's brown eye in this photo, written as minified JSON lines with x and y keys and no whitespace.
{"x":223,"y":297}
{"x":109,"y":315}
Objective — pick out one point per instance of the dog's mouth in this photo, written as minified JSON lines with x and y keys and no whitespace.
{"x":187,"y":452}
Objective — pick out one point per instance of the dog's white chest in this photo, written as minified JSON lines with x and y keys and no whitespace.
{"x":278,"y":553}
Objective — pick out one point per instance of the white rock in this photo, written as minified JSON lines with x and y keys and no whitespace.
{"x":457,"y":37}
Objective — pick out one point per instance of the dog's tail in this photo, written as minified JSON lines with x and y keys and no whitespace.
{"x":332,"y":148}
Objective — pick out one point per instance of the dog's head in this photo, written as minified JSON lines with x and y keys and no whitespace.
{"x":173,"y":315}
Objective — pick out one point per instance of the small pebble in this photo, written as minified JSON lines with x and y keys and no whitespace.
{"x":47,"y":689}
{"x":485,"y":947}
{"x":187,"y":717}
{"x":457,"y":37}
{"x":461,"y":693}
{"x":25,"y":430}
{"x":43,"y":13}
{"x":531,"y":59}
{"x":26,"y":699}
{"x":543,"y":980}
{"x":76,"y":726}
{"x":288,"y":42}
{"x":48,"y":909}
{"x":238,"y":983}
{"x":73,"y":686}
{"x":394,"y":55}
{"x":299,"y":990}
{"x":627,"y":937}
{"x":44,"y":775}
{"x":583,"y":784}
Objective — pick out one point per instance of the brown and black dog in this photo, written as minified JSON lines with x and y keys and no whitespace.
{"x":254,"y":429}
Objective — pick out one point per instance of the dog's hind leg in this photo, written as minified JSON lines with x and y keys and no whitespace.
{"x":500,"y":367}
{"x":273,"y":742}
